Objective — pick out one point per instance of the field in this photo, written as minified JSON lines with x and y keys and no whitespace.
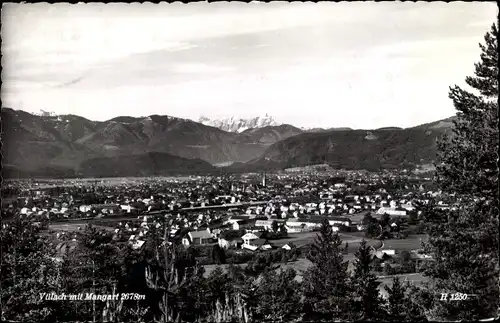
{"x":353,"y":239}
{"x":302,"y":239}
{"x":411,"y":243}
{"x":74,"y":226}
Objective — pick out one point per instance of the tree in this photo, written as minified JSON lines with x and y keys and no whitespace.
{"x":283,"y":231}
{"x":464,"y":242}
{"x":218,"y":255}
{"x":385,"y":219}
{"x":412,"y":217}
{"x":404,"y":302}
{"x":366,"y":298}
{"x":27,"y":269}
{"x":173,"y":274}
{"x":373,"y":230}
{"x":95,"y":265}
{"x":367,"y":219}
{"x":325,"y":282}
{"x":221,"y":296}
{"x":396,"y":300}
{"x":259,"y":264}
{"x":274,"y":226}
{"x":278,"y":299}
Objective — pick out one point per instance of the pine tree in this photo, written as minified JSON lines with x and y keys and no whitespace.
{"x":396,"y":300}
{"x":325,"y":282}
{"x":275,"y":226}
{"x":464,"y":242}
{"x":172,"y":274}
{"x":220,"y":296}
{"x":278,"y":299}
{"x":403,"y":303}
{"x":26,"y":271}
{"x":365,"y":297}
{"x":416,"y":302}
{"x":217,"y":255}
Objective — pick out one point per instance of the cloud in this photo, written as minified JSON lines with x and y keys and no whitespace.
{"x":200,"y":68}
{"x":325,"y":64}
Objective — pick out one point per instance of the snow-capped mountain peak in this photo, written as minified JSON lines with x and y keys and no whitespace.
{"x":235,"y":124}
{"x":44,"y":113}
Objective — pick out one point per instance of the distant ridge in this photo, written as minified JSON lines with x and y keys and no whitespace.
{"x":325,"y":129}
{"x":373,"y":150}
{"x":57,"y":144}
{"x":52,"y":145}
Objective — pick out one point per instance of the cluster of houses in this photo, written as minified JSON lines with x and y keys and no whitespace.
{"x":203,"y":207}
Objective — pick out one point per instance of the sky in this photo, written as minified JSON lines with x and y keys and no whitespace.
{"x":360,"y":65}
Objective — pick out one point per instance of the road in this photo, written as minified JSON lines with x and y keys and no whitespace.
{"x":225,"y":206}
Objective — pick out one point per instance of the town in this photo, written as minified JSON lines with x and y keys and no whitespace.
{"x":255,"y":213}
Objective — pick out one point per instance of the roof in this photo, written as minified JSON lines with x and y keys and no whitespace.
{"x":105,"y":205}
{"x":251,"y":236}
{"x":260,"y":242}
{"x":231,"y":235}
{"x":200,"y":234}
{"x":239,"y":217}
{"x":247,"y":221}
{"x":338,"y":218}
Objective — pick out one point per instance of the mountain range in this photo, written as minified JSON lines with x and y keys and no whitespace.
{"x":48,"y":145}
{"x":239,"y":125}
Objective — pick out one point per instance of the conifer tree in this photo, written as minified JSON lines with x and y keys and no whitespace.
{"x":403,"y":303}
{"x":278,"y":297}
{"x":364,"y":285}
{"x":464,"y":241}
{"x":396,"y":300}
{"x":325,"y":282}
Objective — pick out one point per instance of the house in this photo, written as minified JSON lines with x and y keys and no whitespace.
{"x":236,"y":218}
{"x":258,"y":244}
{"x":197,"y":238}
{"x":392,"y":211}
{"x":241,"y":225}
{"x":296,"y":229}
{"x":127,"y":208}
{"x":249,"y":237}
{"x":265,"y":224}
{"x":136,"y":244}
{"x":105,"y":208}
{"x":263,"y":244}
{"x":230,"y":239}
{"x":287,"y":247}
{"x":380,"y":253}
{"x":339,"y":221}
{"x":311,"y":223}
{"x":85,"y":208}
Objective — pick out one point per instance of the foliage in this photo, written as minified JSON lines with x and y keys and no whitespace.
{"x":464,"y":241}
{"x":278,"y":299}
{"x":402,"y":303}
{"x":373,"y":230}
{"x":27,"y":269}
{"x":325,"y":282}
{"x":366,"y":301}
{"x":218,"y":255}
{"x":275,"y":226}
{"x":385,"y":219}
